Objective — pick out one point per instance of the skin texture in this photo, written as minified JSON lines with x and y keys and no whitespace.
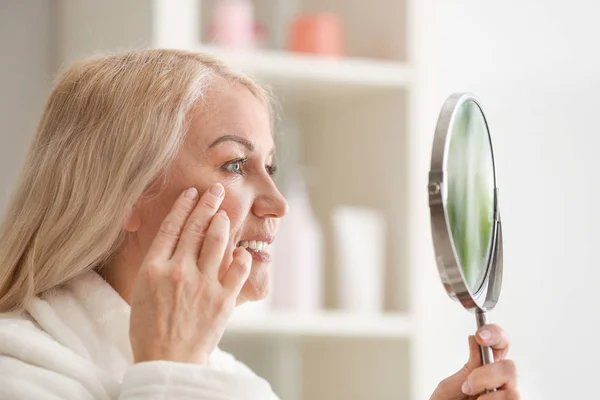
{"x":177,"y":281}
{"x":252,"y":202}
{"x":179,"y":258}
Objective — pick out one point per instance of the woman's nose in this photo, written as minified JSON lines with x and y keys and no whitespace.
{"x":271,"y":203}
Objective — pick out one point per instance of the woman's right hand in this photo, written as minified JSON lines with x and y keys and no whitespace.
{"x":180,"y":303}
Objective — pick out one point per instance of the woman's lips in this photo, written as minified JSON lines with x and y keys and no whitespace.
{"x":260,"y":256}
{"x":258,"y":248}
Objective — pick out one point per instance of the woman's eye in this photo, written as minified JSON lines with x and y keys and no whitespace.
{"x":235,"y":167}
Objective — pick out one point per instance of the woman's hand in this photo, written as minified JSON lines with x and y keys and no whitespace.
{"x":473,"y":379}
{"x":180,"y":303}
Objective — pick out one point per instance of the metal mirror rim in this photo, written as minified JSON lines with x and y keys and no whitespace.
{"x":450,"y":272}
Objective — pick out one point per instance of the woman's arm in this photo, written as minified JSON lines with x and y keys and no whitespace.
{"x":20,"y":381}
{"x":189,"y":381}
{"x":35,"y":366}
{"x":149,"y":380}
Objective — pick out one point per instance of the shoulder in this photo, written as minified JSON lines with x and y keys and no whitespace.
{"x":222,"y":360}
{"x":29,"y":354}
{"x":21,"y":338}
{"x":20,"y":320}
{"x":20,"y":331}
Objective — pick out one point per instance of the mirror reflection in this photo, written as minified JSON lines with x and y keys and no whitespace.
{"x":470,"y":192}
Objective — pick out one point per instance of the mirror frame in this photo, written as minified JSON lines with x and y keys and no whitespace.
{"x":486,"y":297}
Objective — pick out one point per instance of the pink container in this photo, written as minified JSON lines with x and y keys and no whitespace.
{"x":233,"y":24}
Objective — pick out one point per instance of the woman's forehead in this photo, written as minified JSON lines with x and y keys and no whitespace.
{"x":230,"y":110}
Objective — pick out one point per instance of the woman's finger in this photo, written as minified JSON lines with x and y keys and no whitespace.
{"x":215,"y":243}
{"x":494,"y":336}
{"x":227,"y":260}
{"x":236,"y":275}
{"x":195,"y":228}
{"x":501,"y":374}
{"x":510,"y":394}
{"x":474,"y":355}
{"x":164,"y":243}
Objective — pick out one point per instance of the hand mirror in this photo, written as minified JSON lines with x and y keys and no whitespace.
{"x":463,"y":202}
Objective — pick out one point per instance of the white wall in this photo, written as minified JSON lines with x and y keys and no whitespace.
{"x":536,"y":67}
{"x":25,"y":33}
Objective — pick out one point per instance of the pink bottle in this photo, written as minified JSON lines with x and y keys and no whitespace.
{"x":298,"y":256}
{"x":233,"y":24}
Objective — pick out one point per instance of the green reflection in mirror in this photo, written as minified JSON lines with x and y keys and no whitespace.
{"x":470,"y":192}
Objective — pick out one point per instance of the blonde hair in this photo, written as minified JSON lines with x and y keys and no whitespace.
{"x":109,"y":130}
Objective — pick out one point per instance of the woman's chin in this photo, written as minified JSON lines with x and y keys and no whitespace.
{"x":257,"y":285}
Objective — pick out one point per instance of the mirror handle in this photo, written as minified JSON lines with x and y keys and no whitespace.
{"x":487,"y":355}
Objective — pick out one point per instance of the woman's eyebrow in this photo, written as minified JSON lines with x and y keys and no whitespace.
{"x":233,"y":138}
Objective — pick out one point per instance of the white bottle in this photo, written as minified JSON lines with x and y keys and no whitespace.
{"x":360,"y":245}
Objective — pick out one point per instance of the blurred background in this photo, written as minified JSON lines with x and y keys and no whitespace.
{"x":357,"y":310}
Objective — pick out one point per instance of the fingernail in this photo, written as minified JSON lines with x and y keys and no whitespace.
{"x":466,"y":388}
{"x":485,"y":335}
{"x":217,"y":190}
{"x":191,"y":193}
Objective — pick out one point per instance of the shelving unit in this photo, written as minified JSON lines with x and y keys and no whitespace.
{"x":300,"y":78}
{"x":324,"y":324}
{"x":352,"y":72}
{"x":363,"y":104}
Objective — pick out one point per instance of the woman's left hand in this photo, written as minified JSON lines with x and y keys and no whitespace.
{"x":473,"y":379}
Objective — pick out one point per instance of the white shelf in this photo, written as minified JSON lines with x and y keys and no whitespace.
{"x":303,"y":77}
{"x":329,"y":323}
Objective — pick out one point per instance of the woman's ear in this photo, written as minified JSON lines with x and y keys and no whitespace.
{"x":133,"y":221}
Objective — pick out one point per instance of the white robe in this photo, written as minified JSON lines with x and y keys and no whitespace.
{"x":74,"y":344}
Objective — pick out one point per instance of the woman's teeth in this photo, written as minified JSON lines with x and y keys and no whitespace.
{"x":255,"y":245}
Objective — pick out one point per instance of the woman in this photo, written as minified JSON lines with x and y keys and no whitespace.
{"x":142,"y":219}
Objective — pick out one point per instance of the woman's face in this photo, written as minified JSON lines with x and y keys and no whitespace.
{"x":229,"y":141}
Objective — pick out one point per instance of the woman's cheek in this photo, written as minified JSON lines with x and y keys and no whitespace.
{"x":235,"y":208}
